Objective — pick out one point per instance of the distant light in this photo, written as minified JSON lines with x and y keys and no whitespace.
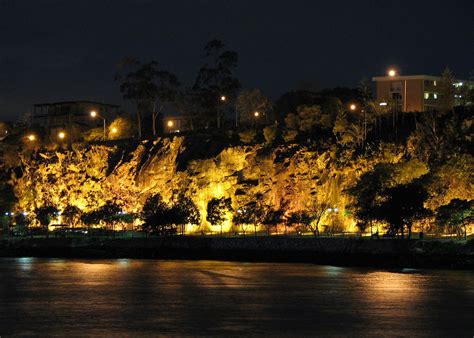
{"x":223,"y":98}
{"x":170,"y":123}
{"x":93,"y":113}
{"x":329,"y":209}
{"x":353,"y":107}
{"x":392,"y":72}
{"x":61,"y":135}
{"x":435,"y":95}
{"x":256,"y":114}
{"x":336,"y":209}
{"x":382,"y":103}
{"x":31,"y":137}
{"x":114,"y":130}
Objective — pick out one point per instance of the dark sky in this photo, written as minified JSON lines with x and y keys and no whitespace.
{"x":52,"y":50}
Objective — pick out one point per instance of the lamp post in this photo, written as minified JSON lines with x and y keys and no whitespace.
{"x":222,"y":99}
{"x":256,"y":114}
{"x":94,"y":114}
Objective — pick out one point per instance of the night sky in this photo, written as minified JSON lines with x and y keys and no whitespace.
{"x":52,"y":50}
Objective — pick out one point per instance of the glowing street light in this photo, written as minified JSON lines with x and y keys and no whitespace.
{"x":223,"y":98}
{"x":352,"y":107}
{"x":61,"y":135}
{"x":392,"y":72}
{"x":31,"y":138}
{"x":114,"y":130}
{"x":170,"y":124}
{"x":256,"y":114}
{"x":94,"y":114}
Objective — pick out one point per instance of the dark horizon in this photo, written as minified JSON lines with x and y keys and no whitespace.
{"x":65,"y":50}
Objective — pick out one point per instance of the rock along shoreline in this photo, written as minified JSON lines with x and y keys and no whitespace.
{"x":384,"y":253}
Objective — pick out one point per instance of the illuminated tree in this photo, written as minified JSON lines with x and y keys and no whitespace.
{"x":217,"y":208}
{"x":3,"y":130}
{"x":247,"y":136}
{"x":455,"y":216}
{"x":270,"y":134}
{"x":120,"y":128}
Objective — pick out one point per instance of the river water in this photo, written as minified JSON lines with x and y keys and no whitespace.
{"x":148,"y":297}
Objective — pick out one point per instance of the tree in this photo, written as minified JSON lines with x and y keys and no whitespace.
{"x":456,"y":215}
{"x":71,"y":215}
{"x":186,"y":212}
{"x":158,"y":218}
{"x":216,"y":79}
{"x":166,"y":92}
{"x":45,"y":214}
{"x":272,"y":218}
{"x":446,"y":91}
{"x":120,"y":128}
{"x":217,"y":208}
{"x":249,"y":214}
{"x":247,"y":136}
{"x":150,"y":88}
{"x":3,"y":130}
{"x":250,"y":101}
{"x":365,"y":194}
{"x":401,"y":206}
{"x":270,"y":133}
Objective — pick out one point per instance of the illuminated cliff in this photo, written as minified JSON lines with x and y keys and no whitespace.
{"x":288,"y":177}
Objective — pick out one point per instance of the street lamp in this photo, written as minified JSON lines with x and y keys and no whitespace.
{"x":94,"y":114}
{"x":352,"y":107}
{"x":392,"y":72}
{"x":223,"y":98}
{"x":61,"y":135}
{"x":31,"y":138}
{"x":114,"y":130}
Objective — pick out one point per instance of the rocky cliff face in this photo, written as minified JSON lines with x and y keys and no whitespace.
{"x":288,"y":177}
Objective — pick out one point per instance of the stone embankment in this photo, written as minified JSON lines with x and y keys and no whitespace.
{"x":386,"y":253}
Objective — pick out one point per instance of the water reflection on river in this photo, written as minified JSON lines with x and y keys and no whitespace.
{"x":145,"y":297}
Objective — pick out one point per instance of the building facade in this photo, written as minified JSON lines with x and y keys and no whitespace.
{"x":58,"y":115}
{"x":414,"y":93}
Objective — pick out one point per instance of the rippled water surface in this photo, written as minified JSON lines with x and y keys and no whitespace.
{"x":146,"y":297}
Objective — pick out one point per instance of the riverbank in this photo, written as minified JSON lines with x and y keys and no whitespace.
{"x":386,"y":253}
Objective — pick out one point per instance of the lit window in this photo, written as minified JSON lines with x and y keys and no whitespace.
{"x":427,"y":96}
{"x":434,"y":83}
{"x":435,"y":96}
